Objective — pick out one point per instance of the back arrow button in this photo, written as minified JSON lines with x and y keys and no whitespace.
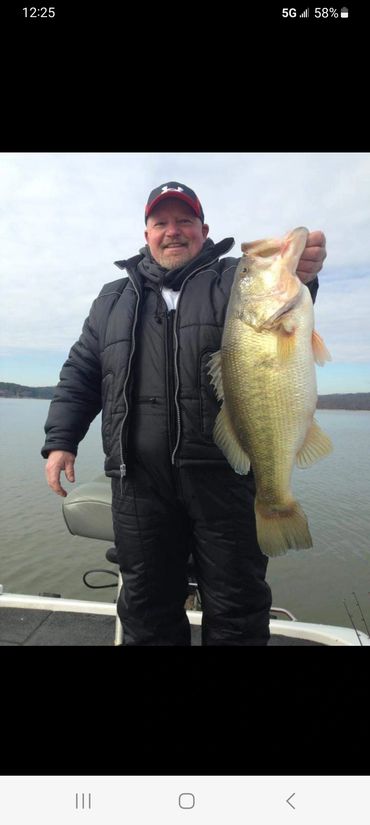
{"x":288,"y":801}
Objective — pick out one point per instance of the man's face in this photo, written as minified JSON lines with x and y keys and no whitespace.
{"x":174,"y":234}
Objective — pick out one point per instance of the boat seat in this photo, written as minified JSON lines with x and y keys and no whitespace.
{"x":87,"y":513}
{"x":87,"y":510}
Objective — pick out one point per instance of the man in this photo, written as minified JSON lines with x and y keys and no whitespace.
{"x":143,"y":359}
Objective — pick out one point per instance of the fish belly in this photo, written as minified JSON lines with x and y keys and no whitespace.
{"x":271,"y":406}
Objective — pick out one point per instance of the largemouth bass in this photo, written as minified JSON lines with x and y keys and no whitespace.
{"x":265,"y":376}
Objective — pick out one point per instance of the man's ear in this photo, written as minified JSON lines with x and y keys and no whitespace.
{"x":205,"y":230}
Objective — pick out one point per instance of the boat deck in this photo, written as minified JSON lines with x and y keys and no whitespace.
{"x":47,"y":628}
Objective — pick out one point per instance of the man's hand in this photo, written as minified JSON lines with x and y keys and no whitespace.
{"x":59,"y":460}
{"x":313,"y":257}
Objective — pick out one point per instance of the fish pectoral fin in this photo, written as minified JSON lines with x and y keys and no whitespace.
{"x":286,"y":341}
{"x":320,"y":352}
{"x":215,"y":372}
{"x":228,"y":443}
{"x":316,"y":445}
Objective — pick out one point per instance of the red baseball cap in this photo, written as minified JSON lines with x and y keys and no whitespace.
{"x":173,"y":189}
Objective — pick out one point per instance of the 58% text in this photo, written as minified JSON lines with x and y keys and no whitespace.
{"x":323,"y":13}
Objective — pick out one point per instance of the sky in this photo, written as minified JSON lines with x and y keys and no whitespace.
{"x":66,"y":217}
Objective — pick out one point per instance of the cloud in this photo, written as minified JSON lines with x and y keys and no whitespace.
{"x":341,"y":314}
{"x":65,"y":218}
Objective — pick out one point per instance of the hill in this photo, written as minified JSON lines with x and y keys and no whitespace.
{"x":19,"y":391}
{"x":347,"y":401}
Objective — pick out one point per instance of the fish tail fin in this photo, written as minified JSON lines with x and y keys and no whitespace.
{"x":278,"y":530}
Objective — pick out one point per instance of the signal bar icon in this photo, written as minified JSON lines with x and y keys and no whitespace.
{"x":305,"y":13}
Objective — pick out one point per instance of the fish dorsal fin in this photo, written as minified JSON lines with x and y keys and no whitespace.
{"x":320,"y":353}
{"x":228,"y":443}
{"x":316,"y":445}
{"x":215,"y":372}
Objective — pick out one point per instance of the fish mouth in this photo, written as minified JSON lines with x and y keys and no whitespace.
{"x":290,"y":247}
{"x":263,"y":248}
{"x":269,"y":286}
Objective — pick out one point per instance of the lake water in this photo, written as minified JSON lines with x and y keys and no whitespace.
{"x":38,"y":554}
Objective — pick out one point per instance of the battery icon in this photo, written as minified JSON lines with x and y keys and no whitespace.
{"x":344,"y":12}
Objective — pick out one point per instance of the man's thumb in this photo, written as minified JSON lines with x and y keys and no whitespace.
{"x":70,"y":473}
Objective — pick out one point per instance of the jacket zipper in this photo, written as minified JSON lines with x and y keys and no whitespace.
{"x":170,"y":314}
{"x":177,"y":386}
{"x":122,"y":468}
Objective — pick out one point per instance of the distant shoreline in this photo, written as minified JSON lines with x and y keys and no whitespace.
{"x":8,"y":390}
{"x":354,"y":401}
{"x":359,"y":401}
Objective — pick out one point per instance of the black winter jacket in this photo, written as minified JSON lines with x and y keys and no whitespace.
{"x":134,"y":357}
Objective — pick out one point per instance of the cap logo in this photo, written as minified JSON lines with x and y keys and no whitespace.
{"x":172,"y":189}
